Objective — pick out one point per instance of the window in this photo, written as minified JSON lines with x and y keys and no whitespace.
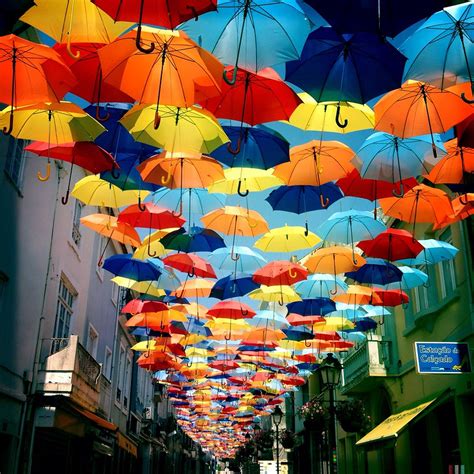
{"x":102,"y":246}
{"x":120,"y":371}
{"x":15,"y":161}
{"x":64,"y":310}
{"x":127,"y":379}
{"x":76,"y":222}
{"x":92,"y":341}
{"x":107,"y":366}
{"x":447,"y":269}
{"x":115,"y":293}
{"x":421,"y":299}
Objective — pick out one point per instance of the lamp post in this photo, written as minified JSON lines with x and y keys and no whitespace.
{"x":277,"y":416}
{"x":330,"y":373}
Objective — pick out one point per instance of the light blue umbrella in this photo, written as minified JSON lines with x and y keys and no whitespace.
{"x":411,"y":278}
{"x":320,"y":285}
{"x":348,"y":313}
{"x":373,"y":311}
{"x":270,"y":319}
{"x":252,"y":34}
{"x":435,"y":251}
{"x":247,"y":261}
{"x":386,"y":157}
{"x":441,"y":51}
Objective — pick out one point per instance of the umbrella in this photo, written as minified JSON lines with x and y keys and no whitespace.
{"x":268,"y":319}
{"x":321,"y":116}
{"x":392,"y":244}
{"x":421,"y":204}
{"x":352,"y":67}
{"x":241,"y":181}
{"x":127,"y":267}
{"x":389,"y":297}
{"x":280,"y":294}
{"x":242,"y":259}
{"x":231,"y":310}
{"x":233,"y":287}
{"x":253,"y":34}
{"x":411,"y":278}
{"x":312,"y":307}
{"x":356,"y":295}
{"x":145,"y":287}
{"x":197,"y":239}
{"x":260,"y":147}
{"x":78,"y":21}
{"x":94,"y":191}
{"x":197,"y":288}
{"x":109,"y":227}
{"x":320,"y":285}
{"x":390,"y":158}
{"x":174,"y":70}
{"x":136,"y":306}
{"x":159,"y":12}
{"x":299,"y":320}
{"x":151,"y":244}
{"x":298,"y":334}
{"x":30,"y":73}
{"x":434,"y":251}
{"x":287,"y":239}
{"x":191,"y":264}
{"x":280,"y":273}
{"x":441,"y":50}
{"x":464,"y":132}
{"x":378,"y":16}
{"x":187,"y":130}
{"x":376,"y":271}
{"x":150,"y":216}
{"x":10,"y":11}
{"x":315,"y":163}
{"x":417,"y":108}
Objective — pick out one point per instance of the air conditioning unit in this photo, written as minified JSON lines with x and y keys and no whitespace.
{"x":148,"y":413}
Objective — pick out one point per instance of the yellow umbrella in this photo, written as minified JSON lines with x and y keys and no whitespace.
{"x":279,"y":293}
{"x":232,"y":220}
{"x":77,"y":21}
{"x":191,"y":339}
{"x":185,"y":130}
{"x":325,"y":116}
{"x":334,"y":323}
{"x":291,"y":345}
{"x":145,"y":287}
{"x":287,"y":239}
{"x":244,"y":180}
{"x":94,"y":191}
{"x":155,"y":248}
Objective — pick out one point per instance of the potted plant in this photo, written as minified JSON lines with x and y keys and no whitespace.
{"x":288,"y":439}
{"x":352,"y":416}
{"x":263,"y":439}
{"x":314,"y":415}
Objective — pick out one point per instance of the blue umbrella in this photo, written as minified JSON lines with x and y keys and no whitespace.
{"x":198,"y":239}
{"x":233,"y":287}
{"x":125,"y":266}
{"x":196,"y":326}
{"x":145,"y":332}
{"x":385,"y":157}
{"x":252,"y":34}
{"x":301,"y":199}
{"x":364,"y":325}
{"x":267,"y":318}
{"x":300,"y":333}
{"x":312,"y":307}
{"x":353,"y":67}
{"x":248,"y":260}
{"x":441,"y":51}
{"x":411,"y":278}
{"x":386,"y":17}
{"x":435,"y":251}
{"x":376,"y":271}
{"x":259,"y":147}
{"x":320,"y":285}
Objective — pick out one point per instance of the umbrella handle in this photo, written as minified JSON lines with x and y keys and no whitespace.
{"x":324,"y":202}
{"x":338,"y":118}
{"x":461,"y":196}
{"x":157,"y":120}
{"x":99,"y":117}
{"x":402,"y":191}
{"x":306,"y":229}
{"x":47,"y":175}
{"x":180,"y":213}
{"x":141,"y":206}
{"x":227,"y":338}
{"x":138,"y":42}
{"x":65,"y":199}
{"x":239,"y":190}
{"x":9,"y":130}
{"x":465,"y":99}
{"x":167,"y":179}
{"x":115,"y":172}
{"x":192,"y":273}
{"x":244,"y":312}
{"x":75,"y":55}
{"x":233,"y":256}
{"x":148,"y":251}
{"x":306,"y":343}
{"x":231,"y":81}
{"x":281,"y":302}
{"x":252,"y":225}
{"x":293,"y":274}
{"x":235,"y":151}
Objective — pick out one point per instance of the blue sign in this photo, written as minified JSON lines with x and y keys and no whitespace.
{"x":442,"y":357}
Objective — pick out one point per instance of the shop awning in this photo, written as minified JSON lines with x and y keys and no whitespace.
{"x":127,"y":444}
{"x":99,"y":421}
{"x":391,"y":428}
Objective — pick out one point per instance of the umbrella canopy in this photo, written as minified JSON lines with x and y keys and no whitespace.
{"x":280,"y":294}
{"x":320,"y":285}
{"x":187,"y":130}
{"x":411,"y":278}
{"x":280,"y":273}
{"x":128,"y":267}
{"x":434,"y":251}
{"x":196,"y":288}
{"x":376,"y":271}
{"x":150,"y":216}
{"x":353,"y":67}
{"x":231,"y":310}
{"x":241,"y":259}
{"x":191,"y":264}
{"x":197,"y":239}
{"x":233,"y":287}
{"x":287,"y":239}
{"x":312,"y":307}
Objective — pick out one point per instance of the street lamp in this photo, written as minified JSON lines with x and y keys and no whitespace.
{"x":330,"y":373}
{"x":277,"y":416}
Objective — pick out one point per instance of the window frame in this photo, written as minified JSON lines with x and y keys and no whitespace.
{"x":92,"y":350}
{"x":15,"y":153}
{"x":66,"y":297}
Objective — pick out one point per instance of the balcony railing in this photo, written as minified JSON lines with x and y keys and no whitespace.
{"x":363,"y":365}
{"x":70,"y":371}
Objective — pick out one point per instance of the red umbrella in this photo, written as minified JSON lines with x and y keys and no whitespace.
{"x":191,"y":264}
{"x":151,"y":217}
{"x":389,"y":297}
{"x":88,"y":72}
{"x":142,"y":306}
{"x":253,"y":99}
{"x":164,"y":13}
{"x":280,"y":272}
{"x":392,"y":244}
{"x":299,"y":320}
{"x":224,"y":365}
{"x":231,"y":310}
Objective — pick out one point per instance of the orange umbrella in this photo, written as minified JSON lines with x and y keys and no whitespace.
{"x":262,"y":336}
{"x":197,"y":288}
{"x":356,"y":295}
{"x":417,"y":109}
{"x":177,"y":72}
{"x":299,"y":320}
{"x":421,"y":204}
{"x":315,"y":163}
{"x":193,"y":309}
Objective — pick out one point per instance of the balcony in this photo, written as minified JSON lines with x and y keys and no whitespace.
{"x":70,"y":371}
{"x":364,"y":367}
